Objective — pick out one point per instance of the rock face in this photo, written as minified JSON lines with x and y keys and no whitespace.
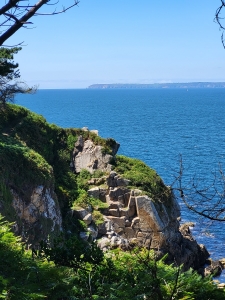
{"x":134,"y":219}
{"x":87,"y":155}
{"x":38,"y":217}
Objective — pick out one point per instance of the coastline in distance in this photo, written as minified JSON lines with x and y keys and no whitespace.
{"x":188,"y":85}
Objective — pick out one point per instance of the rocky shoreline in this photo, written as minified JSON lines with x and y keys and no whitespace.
{"x":130,"y":216}
{"x":134,"y":219}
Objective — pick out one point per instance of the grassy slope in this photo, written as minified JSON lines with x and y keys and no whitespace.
{"x":34,"y":152}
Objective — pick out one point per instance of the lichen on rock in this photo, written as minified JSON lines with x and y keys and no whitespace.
{"x":87,"y":155}
{"x":41,"y":215}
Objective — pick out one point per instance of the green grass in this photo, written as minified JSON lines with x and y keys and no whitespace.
{"x":140,"y":175}
{"x":34,"y":152}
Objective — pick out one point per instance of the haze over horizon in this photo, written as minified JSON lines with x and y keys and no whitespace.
{"x":123,"y":42}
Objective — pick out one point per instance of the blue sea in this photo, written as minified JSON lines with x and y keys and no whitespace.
{"x":156,"y":126}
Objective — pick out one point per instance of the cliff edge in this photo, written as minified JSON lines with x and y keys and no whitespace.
{"x":55,"y":180}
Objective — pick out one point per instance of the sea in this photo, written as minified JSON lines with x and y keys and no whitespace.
{"x":157,"y":126}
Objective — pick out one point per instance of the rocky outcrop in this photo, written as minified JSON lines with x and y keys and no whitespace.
{"x":38,"y":217}
{"x":87,"y":155}
{"x":135,"y":219}
{"x":214,"y":267}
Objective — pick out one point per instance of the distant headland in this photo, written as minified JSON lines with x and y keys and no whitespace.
{"x":189,"y":85}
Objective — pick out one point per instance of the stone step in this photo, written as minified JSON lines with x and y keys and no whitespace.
{"x":115,"y":205}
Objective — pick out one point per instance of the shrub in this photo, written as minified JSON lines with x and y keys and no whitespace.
{"x":97,"y":217}
{"x":140,"y":175}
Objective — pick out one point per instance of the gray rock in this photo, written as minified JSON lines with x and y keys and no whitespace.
{"x":88,"y":219}
{"x":80,"y":213}
{"x":119,"y":221}
{"x":135,"y":220}
{"x":122,"y":182}
{"x":104,"y":243}
{"x":222,"y":262}
{"x":121,"y":200}
{"x":117,"y":229}
{"x":93,"y":232}
{"x":105,"y":227}
{"x":79,"y":143}
{"x":124,"y":212}
{"x":126,"y":198}
{"x":115,"y":205}
{"x":127,"y":223}
{"x":91,"y":158}
{"x":94,"y":131}
{"x":129,"y":232}
{"x":132,"y":211}
{"x":114,"y":212}
{"x":111,"y":181}
{"x":94,"y":192}
{"x":149,"y":217}
{"x":215,"y":269}
{"x":102,"y":194}
{"x":137,"y":192}
{"x":115,"y":241}
{"x":132,"y":201}
{"x":84,"y":236}
{"x":39,"y":213}
{"x":115,"y":193}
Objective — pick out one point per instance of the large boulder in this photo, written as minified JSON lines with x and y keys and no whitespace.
{"x":154,"y":224}
{"x":38,"y":217}
{"x":87,"y":155}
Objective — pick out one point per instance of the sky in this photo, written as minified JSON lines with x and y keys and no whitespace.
{"x":122,"y":41}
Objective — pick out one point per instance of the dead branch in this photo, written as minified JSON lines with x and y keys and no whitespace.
{"x":219,"y":18}
{"x":13,"y":16}
{"x":209,"y":201}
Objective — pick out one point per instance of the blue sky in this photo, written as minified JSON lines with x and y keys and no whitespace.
{"x":123,"y":41}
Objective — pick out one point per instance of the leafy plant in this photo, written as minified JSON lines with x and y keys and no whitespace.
{"x":141,"y":176}
{"x":82,"y":179}
{"x":97,"y":217}
{"x":71,"y":140}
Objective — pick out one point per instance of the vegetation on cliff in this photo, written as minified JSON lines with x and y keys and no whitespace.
{"x":140,"y":176}
{"x":34,"y":152}
{"x":77,"y":272}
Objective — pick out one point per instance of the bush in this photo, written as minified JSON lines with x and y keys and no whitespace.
{"x":73,"y":269}
{"x":140,"y":175}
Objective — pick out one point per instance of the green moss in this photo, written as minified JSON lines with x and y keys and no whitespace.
{"x":71,"y":140}
{"x":84,"y":201}
{"x":140,"y":175}
{"x":6,"y":202}
{"x":20,"y":164}
{"x":97,"y":204}
{"x":97,"y":217}
{"x":82,"y":179}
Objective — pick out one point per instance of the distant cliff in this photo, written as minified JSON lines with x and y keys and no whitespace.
{"x":188,"y":85}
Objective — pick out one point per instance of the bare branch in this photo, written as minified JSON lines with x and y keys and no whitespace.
{"x":218,"y":19}
{"x":64,"y":9}
{"x":14,"y":16}
{"x":209,"y":201}
{"x":8,"y":6}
